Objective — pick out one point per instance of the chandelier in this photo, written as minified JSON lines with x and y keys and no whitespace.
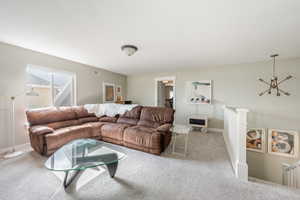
{"x":275,"y":82}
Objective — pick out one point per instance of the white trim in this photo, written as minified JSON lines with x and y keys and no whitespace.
{"x":166,"y":78}
{"x":104,"y":93}
{"x":242,"y":110}
{"x":241,"y":171}
{"x":17,"y":148}
{"x":236,"y":109}
{"x":52,"y":72}
{"x":257,"y":180}
{"x":38,"y":86}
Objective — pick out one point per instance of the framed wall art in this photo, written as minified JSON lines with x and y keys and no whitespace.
{"x":119,"y":93}
{"x":283,"y":143}
{"x":199,"y":92}
{"x":256,"y":140}
{"x":108,"y":92}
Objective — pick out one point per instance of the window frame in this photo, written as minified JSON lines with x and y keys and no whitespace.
{"x":52,"y":72}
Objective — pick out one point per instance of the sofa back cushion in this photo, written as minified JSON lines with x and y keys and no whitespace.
{"x":50,"y":115}
{"x":134,"y":113}
{"x":124,"y":120}
{"x":155,"y":116}
{"x":88,"y":119}
{"x":131,"y":117}
{"x":63,"y":124}
{"x":81,"y":112}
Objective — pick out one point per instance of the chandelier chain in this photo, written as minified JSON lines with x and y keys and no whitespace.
{"x":274,"y":66}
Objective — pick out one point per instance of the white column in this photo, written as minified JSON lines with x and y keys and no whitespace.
{"x":241,"y":162}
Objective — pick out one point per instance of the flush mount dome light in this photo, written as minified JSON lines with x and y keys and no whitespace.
{"x":129,"y":49}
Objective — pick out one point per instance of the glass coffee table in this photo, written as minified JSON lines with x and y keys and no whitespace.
{"x":79,"y":155}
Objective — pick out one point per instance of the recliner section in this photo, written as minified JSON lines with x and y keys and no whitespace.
{"x":143,"y":128}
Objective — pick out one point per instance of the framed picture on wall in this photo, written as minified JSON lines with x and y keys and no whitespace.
{"x":119,"y":93}
{"x":199,"y":92}
{"x":108,"y":92}
{"x":256,"y":140}
{"x":283,"y":143}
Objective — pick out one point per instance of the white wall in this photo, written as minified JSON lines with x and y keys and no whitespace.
{"x":237,"y":86}
{"x":13,"y":62}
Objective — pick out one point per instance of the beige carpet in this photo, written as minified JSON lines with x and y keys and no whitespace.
{"x":204,"y":174}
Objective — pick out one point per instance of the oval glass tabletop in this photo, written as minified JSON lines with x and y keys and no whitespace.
{"x":82,"y":154}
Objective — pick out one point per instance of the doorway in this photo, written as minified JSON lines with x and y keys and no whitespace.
{"x":165,"y":92}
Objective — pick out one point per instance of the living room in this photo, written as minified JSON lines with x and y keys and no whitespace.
{"x":149,"y":99}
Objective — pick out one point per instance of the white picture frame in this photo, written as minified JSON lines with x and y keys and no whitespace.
{"x":288,"y":139}
{"x":257,"y":141}
{"x":199,"y":92}
{"x":109,"y":93}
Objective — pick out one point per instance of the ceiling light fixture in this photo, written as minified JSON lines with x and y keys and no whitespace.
{"x":274,"y":83}
{"x":129,"y":49}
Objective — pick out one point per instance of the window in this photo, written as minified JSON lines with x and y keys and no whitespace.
{"x":46,"y":87}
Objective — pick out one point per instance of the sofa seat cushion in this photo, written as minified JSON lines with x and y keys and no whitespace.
{"x":149,"y":124}
{"x":64,"y":135}
{"x":108,"y":119}
{"x":143,"y":136}
{"x":113,"y":131}
{"x":96,"y":128}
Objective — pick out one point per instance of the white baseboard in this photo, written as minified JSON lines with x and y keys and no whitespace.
{"x":241,"y":170}
{"x":216,"y":130}
{"x":20,"y":147}
{"x":257,"y":180}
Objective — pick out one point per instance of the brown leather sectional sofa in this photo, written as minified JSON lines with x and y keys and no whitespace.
{"x":143,"y":128}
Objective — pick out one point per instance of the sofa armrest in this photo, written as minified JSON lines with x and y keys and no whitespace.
{"x":41,"y":130}
{"x":164,"y":128}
